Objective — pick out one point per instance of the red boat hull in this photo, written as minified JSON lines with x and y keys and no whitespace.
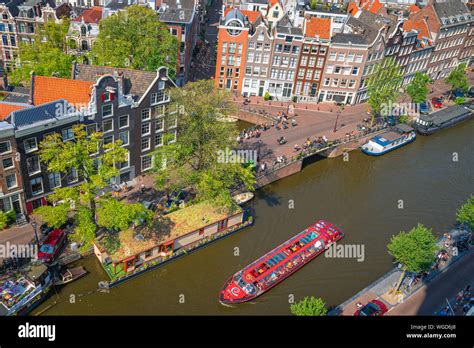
{"x":233,"y":292}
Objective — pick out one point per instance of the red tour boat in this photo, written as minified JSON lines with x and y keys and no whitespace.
{"x":278,"y":264}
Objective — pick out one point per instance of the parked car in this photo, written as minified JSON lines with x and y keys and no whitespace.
{"x":437,"y":102}
{"x":52,"y":246}
{"x":424,"y":107}
{"x":373,"y":308}
{"x":458,"y":94}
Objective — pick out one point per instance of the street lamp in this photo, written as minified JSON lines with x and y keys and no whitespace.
{"x":34,"y":225}
{"x":337,"y":118}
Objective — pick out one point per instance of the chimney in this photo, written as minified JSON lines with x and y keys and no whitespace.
{"x":32,"y":88}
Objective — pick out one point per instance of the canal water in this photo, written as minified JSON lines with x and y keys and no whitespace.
{"x":363,"y":196}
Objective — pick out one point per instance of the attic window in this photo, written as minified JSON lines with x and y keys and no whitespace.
{"x":161,"y":84}
{"x":107,"y":96}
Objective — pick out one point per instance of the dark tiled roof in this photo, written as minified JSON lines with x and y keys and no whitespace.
{"x":284,"y":26}
{"x":450,"y":8}
{"x":136,"y":82}
{"x":12,"y":5}
{"x":116,"y":5}
{"x":349,"y":38}
{"x":38,"y":114}
{"x":175,"y":15}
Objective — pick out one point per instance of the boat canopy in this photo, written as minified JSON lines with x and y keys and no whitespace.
{"x":404,"y":128}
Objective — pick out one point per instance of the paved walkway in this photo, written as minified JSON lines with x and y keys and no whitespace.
{"x":310,"y":124}
{"x":17,"y":235}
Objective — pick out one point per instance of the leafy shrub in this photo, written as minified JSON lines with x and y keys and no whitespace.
{"x":309,"y":306}
{"x":459,"y":100}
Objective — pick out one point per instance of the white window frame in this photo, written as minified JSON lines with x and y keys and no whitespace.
{"x":33,"y":148}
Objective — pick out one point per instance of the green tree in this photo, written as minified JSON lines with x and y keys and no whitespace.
{"x":465,"y":213}
{"x":54,"y":216}
{"x":457,"y":78}
{"x":3,"y":220}
{"x":117,"y":215}
{"x":383,"y":85}
{"x":415,"y":250}
{"x":79,"y":157}
{"x":418,"y":89}
{"x":196,"y":158}
{"x":46,"y":55}
{"x":135,"y":38}
{"x":313,"y":4}
{"x":309,"y":306}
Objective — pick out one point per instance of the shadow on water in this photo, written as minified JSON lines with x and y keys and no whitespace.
{"x":268,"y":196}
{"x":313,"y":159}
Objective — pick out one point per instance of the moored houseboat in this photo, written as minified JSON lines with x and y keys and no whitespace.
{"x":130,"y":253}
{"x":21,"y":293}
{"x":445,"y":118}
{"x":279,"y":263}
{"x":396,"y":137}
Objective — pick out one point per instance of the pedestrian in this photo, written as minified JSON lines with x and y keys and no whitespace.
{"x":142,"y":188}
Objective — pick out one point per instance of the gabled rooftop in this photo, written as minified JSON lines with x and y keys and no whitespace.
{"x":136,"y":82}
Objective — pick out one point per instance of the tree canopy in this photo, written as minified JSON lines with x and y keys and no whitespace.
{"x":309,"y":306}
{"x":383,"y":85}
{"x":135,"y":38}
{"x":46,"y":55}
{"x":415,"y":249}
{"x":418,"y":89}
{"x":457,"y":78}
{"x":82,"y":158}
{"x":465,"y":213}
{"x":194,"y":159}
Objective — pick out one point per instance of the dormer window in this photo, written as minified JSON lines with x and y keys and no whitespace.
{"x":83,"y":30}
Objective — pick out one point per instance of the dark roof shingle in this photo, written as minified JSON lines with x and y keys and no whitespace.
{"x":136,"y":82}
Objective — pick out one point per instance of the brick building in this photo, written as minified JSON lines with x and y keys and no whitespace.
{"x":317,"y":36}
{"x":234,"y":28}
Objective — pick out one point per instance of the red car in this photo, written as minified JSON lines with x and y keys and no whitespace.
{"x":51,"y":247}
{"x":373,"y":308}
{"x":437,"y":102}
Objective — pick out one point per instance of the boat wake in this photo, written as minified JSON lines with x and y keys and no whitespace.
{"x":228,"y":305}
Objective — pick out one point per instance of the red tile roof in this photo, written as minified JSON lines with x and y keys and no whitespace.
{"x":273,"y":2}
{"x":6,"y":108}
{"x":47,"y":89}
{"x":252,"y":15}
{"x":318,"y":27}
{"x":91,"y":15}
{"x":352,"y":9}
{"x":413,"y":8}
{"x":373,"y":6}
{"x":419,"y":25}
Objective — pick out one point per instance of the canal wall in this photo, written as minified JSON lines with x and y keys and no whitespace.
{"x":280,"y":173}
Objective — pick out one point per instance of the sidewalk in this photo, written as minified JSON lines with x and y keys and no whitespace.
{"x":431,"y":297}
